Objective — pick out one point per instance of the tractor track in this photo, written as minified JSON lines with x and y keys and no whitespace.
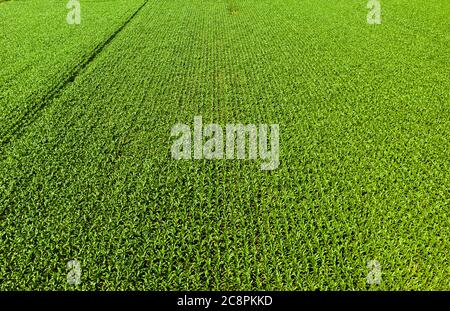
{"x":18,"y":127}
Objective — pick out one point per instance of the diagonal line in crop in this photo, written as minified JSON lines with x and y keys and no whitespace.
{"x":30,"y":115}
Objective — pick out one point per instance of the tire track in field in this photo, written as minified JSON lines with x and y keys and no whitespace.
{"x":18,"y":127}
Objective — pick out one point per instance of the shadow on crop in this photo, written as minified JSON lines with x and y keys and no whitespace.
{"x":232,"y":8}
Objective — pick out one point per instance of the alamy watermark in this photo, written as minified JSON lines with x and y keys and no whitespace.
{"x":208,"y":142}
{"x":74,"y":15}
{"x":374,"y":275}
{"x":74,"y":274}
{"x":374,"y":15}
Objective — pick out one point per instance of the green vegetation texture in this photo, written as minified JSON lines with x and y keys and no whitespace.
{"x":86,"y":171}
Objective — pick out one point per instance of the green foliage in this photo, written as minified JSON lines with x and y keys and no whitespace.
{"x":40,"y":52}
{"x":364,"y":117}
